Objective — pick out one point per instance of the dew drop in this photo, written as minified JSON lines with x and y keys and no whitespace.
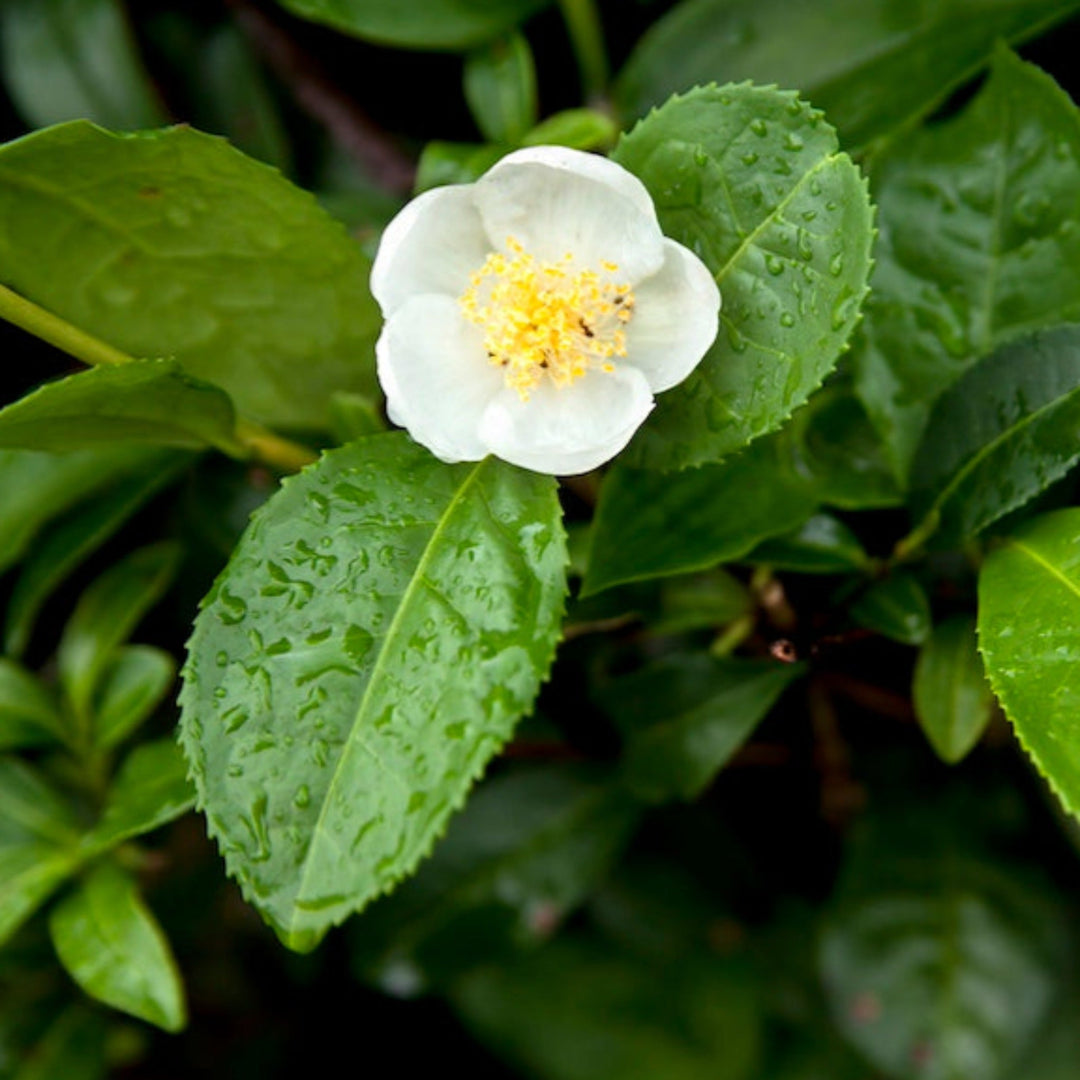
{"x":774,"y":264}
{"x":759,"y":127}
{"x":787,"y":319}
{"x":836,"y":264}
{"x":749,"y":159}
{"x":302,"y":798}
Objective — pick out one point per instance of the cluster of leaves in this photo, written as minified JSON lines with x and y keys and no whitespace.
{"x":861,"y":505}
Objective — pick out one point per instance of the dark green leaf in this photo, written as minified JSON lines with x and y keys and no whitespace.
{"x":1000,"y":435}
{"x":821,"y":545}
{"x":73,"y":1048}
{"x":701,"y":601}
{"x":953,"y":700}
{"x":132,"y":687}
{"x":382,"y":626}
{"x":178,"y":245}
{"x":75,"y":59}
{"x":582,"y":129}
{"x":500,"y":87}
{"x":419,"y":24}
{"x":897,"y":607}
{"x":355,"y":416}
{"x":685,"y":717}
{"x":1029,"y":634}
{"x":750,"y":178}
{"x":872,"y":65}
{"x":455,"y":163}
{"x":980,"y":241}
{"x":28,"y":712}
{"x":650,"y":524}
{"x":146,"y":401}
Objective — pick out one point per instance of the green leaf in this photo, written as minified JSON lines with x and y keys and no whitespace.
{"x":38,"y":487}
{"x":151,"y":789}
{"x":500,"y":88}
{"x":383,"y":624}
{"x":750,"y":178}
{"x":651,"y":524}
{"x":953,"y":700}
{"x":980,"y":242}
{"x":1000,"y":435}
{"x":872,"y":65}
{"x":105,"y":616}
{"x":115,"y":950}
{"x":455,"y":163}
{"x":354,"y":417}
{"x":146,"y":401}
{"x":72,"y":1048}
{"x":68,"y":542}
{"x":577,"y":1010}
{"x":38,"y":836}
{"x":419,"y":24}
{"x":28,"y":712}
{"x":132,"y":687}
{"x":1029,"y":635}
{"x":701,"y":601}
{"x":75,"y":59}
{"x":581,"y":129}
{"x":897,"y":607}
{"x":177,"y":245}
{"x":821,"y":545}
{"x":687,"y":715}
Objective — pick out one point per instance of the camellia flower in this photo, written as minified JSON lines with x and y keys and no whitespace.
{"x":534,"y":314}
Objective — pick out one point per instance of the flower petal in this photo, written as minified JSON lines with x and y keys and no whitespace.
{"x":570,"y":430}
{"x":554,"y":201}
{"x":433,"y":245}
{"x":437,"y":380}
{"x":676,"y":317}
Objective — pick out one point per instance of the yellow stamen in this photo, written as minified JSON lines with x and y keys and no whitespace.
{"x":545,"y":319}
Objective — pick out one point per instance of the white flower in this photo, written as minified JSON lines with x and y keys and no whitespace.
{"x":533,"y":314}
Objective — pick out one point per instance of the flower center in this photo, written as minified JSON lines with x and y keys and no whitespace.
{"x":546,"y":320}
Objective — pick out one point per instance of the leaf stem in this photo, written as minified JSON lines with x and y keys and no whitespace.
{"x":256,"y":440}
{"x":587,"y":36}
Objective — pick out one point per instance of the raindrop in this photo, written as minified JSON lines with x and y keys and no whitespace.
{"x":774,"y":264}
{"x":302,"y":798}
{"x":750,"y":158}
{"x":759,"y":127}
{"x":787,"y":319}
{"x":836,"y":264}
{"x":793,"y":143}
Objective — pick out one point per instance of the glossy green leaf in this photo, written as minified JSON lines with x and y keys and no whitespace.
{"x":953,"y":701}
{"x":980,"y":241}
{"x":105,"y":616}
{"x":419,"y":24}
{"x":701,"y":601}
{"x":75,"y":59}
{"x":581,"y":129}
{"x":72,"y":1048}
{"x":500,"y":88}
{"x":178,"y":245}
{"x":821,"y":545}
{"x":68,"y":542}
{"x":651,"y":524}
{"x":579,"y":1010}
{"x":38,"y":836}
{"x":382,"y":626}
{"x":114,"y":949}
{"x":132,"y":687}
{"x":897,"y":607}
{"x":685,"y":716}
{"x":455,"y":163}
{"x":39,"y":486}
{"x":751,"y":179}
{"x":999,"y":436}
{"x":1029,"y":635}
{"x":150,"y":790}
{"x":872,"y":65}
{"x":29,"y":715}
{"x":146,"y":401}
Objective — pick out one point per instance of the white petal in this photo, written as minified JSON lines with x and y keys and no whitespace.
{"x":555,"y":201}
{"x":676,"y":317}
{"x":569,"y":430}
{"x":436,"y":376}
{"x":432,"y":246}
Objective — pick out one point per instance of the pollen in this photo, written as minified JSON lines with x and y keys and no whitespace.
{"x":547,"y":320}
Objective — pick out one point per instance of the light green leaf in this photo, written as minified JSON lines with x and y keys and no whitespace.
{"x":455,"y":163}
{"x":72,"y":1048}
{"x":146,"y":401}
{"x":651,"y":524}
{"x":419,"y":24}
{"x":132,"y":687}
{"x":175,"y":244}
{"x":115,"y":950}
{"x":382,"y":626}
{"x":999,"y":436}
{"x":581,"y":129}
{"x":980,"y":242}
{"x":751,"y":179}
{"x":28,"y":712}
{"x":897,"y":607}
{"x":500,"y":87}
{"x":685,"y":716}
{"x":578,"y":1010}
{"x":151,"y":789}
{"x":872,"y":65}
{"x":105,"y":616}
{"x":75,"y":59}
{"x":953,"y":701}
{"x":68,"y":542}
{"x":1029,"y":635}
{"x":821,"y":545}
